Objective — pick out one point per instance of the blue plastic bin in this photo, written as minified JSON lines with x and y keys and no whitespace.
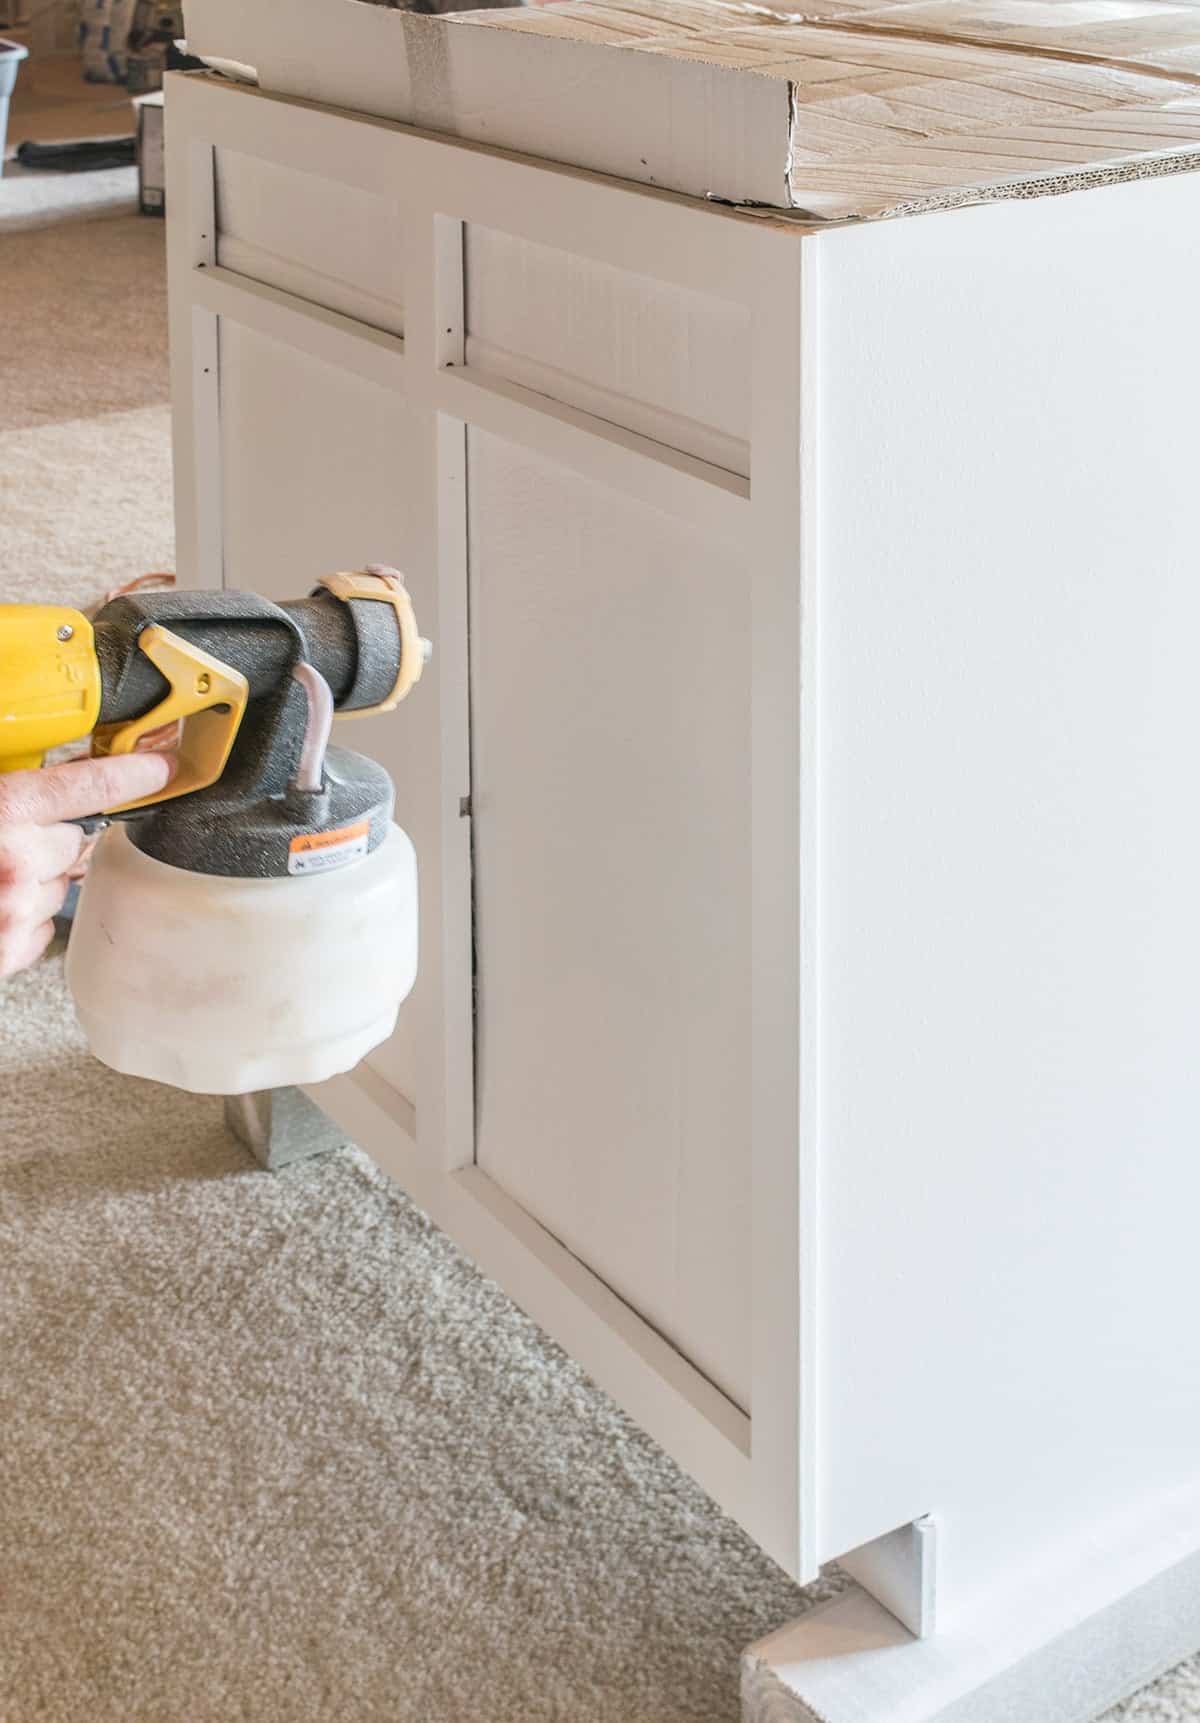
{"x":11,"y":55}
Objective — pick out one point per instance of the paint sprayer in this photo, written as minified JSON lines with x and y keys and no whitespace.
{"x":254,"y":924}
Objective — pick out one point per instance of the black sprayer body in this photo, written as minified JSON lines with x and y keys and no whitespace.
{"x":282,"y":797}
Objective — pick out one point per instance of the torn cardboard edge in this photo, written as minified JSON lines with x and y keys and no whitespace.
{"x":1020,"y":190}
{"x":841,"y":113}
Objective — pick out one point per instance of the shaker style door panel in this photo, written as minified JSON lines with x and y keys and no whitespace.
{"x":305,"y":491}
{"x":610,"y":718}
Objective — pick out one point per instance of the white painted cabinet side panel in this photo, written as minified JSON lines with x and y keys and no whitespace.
{"x":313,"y":480}
{"x":1010,"y":854}
{"x":610,"y":715}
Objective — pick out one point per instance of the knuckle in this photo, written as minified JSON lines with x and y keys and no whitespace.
{"x":17,"y":872}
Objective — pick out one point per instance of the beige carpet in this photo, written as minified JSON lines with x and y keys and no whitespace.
{"x":269,"y":1448}
{"x":86,"y":324}
{"x":272,"y":1451}
{"x":33,"y":197}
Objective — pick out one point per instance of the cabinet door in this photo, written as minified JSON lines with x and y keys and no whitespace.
{"x":307,"y":491}
{"x":610,"y":718}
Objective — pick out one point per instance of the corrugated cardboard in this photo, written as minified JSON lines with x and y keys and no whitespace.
{"x":845,"y":111}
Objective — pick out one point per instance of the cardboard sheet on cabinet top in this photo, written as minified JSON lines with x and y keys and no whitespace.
{"x":900,"y":107}
{"x":842,"y":110}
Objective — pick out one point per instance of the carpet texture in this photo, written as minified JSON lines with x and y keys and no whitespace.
{"x":96,"y":290}
{"x":35,"y":197}
{"x":270,"y":1449}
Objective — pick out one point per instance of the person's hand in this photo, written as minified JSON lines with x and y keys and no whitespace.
{"x":39,"y":854}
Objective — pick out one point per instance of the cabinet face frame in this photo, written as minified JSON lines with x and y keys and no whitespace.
{"x":762,"y":1467}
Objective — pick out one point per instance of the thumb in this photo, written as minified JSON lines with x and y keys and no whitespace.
{"x":82,"y":787}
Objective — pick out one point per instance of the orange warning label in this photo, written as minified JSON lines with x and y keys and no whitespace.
{"x":315,"y":852}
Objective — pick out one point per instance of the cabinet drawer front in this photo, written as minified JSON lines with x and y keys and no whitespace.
{"x":320,"y":487}
{"x":649,"y":356}
{"x":332,"y":244}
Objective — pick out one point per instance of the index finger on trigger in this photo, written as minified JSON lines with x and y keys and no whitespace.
{"x":82,"y":787}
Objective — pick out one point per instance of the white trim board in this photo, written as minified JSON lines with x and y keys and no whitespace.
{"x":1058,"y":1646}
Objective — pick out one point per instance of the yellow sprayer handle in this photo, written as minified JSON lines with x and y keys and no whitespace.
{"x":208,"y":696}
{"x":49,"y":682}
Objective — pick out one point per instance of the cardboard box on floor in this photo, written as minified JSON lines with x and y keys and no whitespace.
{"x":854,"y":110}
